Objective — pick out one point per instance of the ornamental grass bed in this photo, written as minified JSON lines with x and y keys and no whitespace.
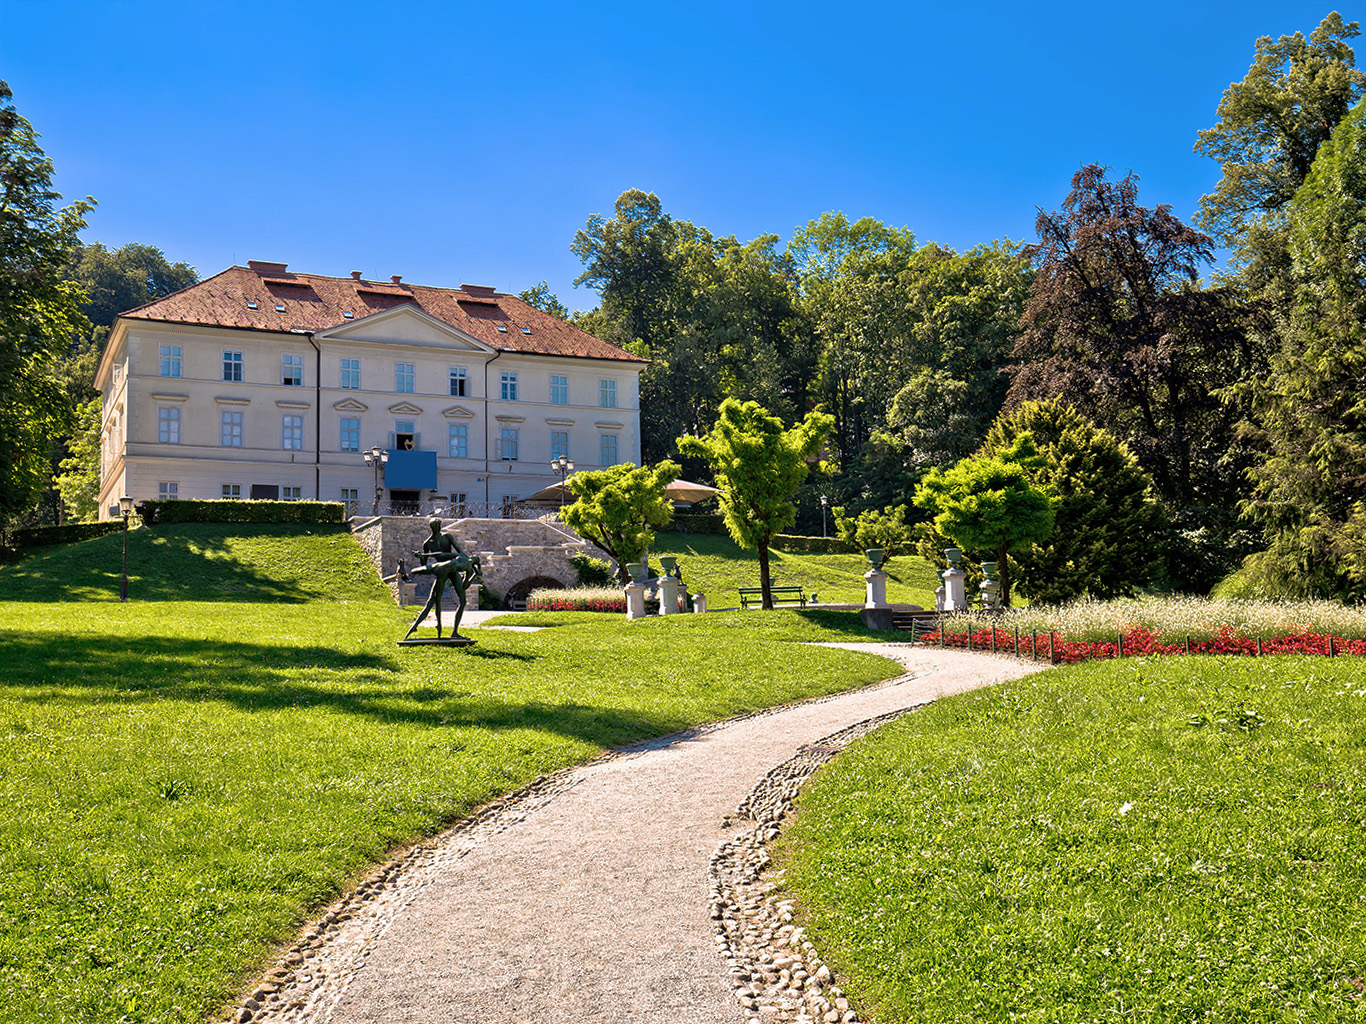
{"x":1091,"y":630}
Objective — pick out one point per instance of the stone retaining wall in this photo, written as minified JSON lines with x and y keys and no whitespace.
{"x":510,"y":551}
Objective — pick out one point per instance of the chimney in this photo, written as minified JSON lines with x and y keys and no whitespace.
{"x":396,"y":278}
{"x":266,"y":267}
{"x":355,"y":275}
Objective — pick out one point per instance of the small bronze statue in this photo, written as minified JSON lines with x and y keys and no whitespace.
{"x":448,"y":565}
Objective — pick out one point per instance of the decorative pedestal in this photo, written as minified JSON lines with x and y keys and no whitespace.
{"x":699,"y":603}
{"x":668,"y":596}
{"x":876,"y":588}
{"x":635,"y":600}
{"x":955,"y":590}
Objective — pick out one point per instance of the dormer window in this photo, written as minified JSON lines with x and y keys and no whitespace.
{"x":279,"y":307}
{"x":251,"y":304}
{"x":348,"y":315}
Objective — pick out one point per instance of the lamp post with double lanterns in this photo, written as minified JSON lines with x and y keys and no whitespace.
{"x":125,"y":510}
{"x":378,"y":458}
{"x":563,"y":465}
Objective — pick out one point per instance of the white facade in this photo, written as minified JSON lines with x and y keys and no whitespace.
{"x":194,"y":411}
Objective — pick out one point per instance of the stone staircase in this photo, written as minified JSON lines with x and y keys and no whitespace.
{"x":915,"y":622}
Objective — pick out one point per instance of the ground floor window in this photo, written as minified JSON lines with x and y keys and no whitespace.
{"x":288,"y":493}
{"x":457,"y":506}
{"x":232,"y":492}
{"x":168,"y":490}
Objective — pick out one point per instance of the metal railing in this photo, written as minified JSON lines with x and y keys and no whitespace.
{"x":447,"y":510}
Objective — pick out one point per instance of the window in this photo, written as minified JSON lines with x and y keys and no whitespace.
{"x":507,"y":385}
{"x":457,"y":507}
{"x":168,"y":490}
{"x":350,"y":434}
{"x":170,"y":360}
{"x":288,"y":493}
{"x":559,"y":389}
{"x":230,"y":430}
{"x":232,"y":492}
{"x":292,"y":371}
{"x":232,"y":365}
{"x":459,"y":441}
{"x":609,"y":449}
{"x":350,"y":374}
{"x":168,"y":424}
{"x":405,"y":378}
{"x":350,"y":497}
{"x":607,"y":394}
{"x":459,"y":382}
{"x":406,"y":438}
{"x":507,"y":445}
{"x":559,"y":444}
{"x":292,"y":433}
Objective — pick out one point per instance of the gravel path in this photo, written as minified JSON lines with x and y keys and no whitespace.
{"x":603,"y":893}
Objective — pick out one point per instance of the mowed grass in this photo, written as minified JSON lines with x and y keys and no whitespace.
{"x":1167,"y":839}
{"x":189,"y":776}
{"x":718,"y":567}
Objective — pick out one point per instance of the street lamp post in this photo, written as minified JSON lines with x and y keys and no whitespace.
{"x":378,"y":458}
{"x":825,"y":503}
{"x":563,"y":465}
{"x":125,"y":510}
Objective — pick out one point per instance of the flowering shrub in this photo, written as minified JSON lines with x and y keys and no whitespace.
{"x":578,"y":599}
{"x":1137,"y":641}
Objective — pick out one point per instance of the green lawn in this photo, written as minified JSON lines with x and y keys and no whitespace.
{"x":718,"y":567}
{"x":1166,"y":839}
{"x":189,"y":775}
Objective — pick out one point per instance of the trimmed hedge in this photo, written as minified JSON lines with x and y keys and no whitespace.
{"x":812,"y":545}
{"x":185,"y":510}
{"x":68,"y":533}
{"x":698,"y":522}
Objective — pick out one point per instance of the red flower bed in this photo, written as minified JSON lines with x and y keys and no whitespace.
{"x":1138,"y":642}
{"x":570,"y":604}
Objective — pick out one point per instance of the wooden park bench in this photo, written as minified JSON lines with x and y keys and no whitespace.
{"x":755,"y":595}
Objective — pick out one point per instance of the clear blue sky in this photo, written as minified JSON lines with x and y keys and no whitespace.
{"x":465,"y":142}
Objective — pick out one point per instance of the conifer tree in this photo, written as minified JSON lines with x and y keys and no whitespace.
{"x":1108,"y":530}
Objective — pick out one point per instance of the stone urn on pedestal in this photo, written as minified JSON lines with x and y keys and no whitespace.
{"x":955,"y":590}
{"x":668,"y":585}
{"x":635,"y":592}
{"x":876,"y":580}
{"x":991,"y":587}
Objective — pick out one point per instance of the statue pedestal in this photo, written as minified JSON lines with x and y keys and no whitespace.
{"x":876,"y":589}
{"x":668,"y":596}
{"x":635,"y":601}
{"x":699,"y":604}
{"x":445,"y":641}
{"x":955,"y":593}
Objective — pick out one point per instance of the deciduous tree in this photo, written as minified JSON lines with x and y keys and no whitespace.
{"x":758,"y":465}
{"x":1271,"y":125}
{"x":1118,"y":327}
{"x":885,"y":530}
{"x":619,"y":509}
{"x":39,"y":311}
{"x":989,"y":503}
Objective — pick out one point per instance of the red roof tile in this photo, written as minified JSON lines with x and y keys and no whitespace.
{"x":314,"y":303}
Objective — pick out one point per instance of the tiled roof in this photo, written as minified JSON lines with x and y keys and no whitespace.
{"x":286,"y":301}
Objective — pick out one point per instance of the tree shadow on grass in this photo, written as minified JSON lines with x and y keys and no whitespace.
{"x":184,"y":562}
{"x":88,"y":670}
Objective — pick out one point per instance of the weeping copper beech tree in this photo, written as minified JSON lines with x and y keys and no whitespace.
{"x":1118,"y":327}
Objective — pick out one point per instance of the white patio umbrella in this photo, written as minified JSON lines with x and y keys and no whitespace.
{"x":682,"y":491}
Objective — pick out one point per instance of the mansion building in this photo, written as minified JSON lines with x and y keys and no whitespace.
{"x":262,"y":383}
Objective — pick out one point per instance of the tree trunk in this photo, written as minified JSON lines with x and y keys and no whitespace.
{"x":1005,"y":575}
{"x":764,"y":581}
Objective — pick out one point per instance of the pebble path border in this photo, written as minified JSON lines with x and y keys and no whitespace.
{"x":314,"y":973}
{"x":778,"y":975}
